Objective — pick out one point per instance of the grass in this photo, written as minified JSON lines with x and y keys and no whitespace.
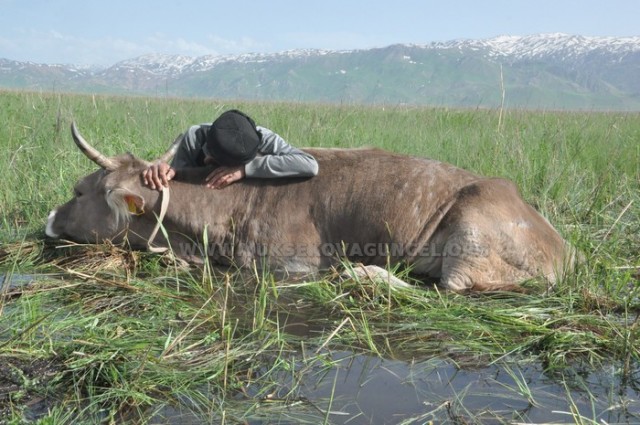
{"x":127,"y":336}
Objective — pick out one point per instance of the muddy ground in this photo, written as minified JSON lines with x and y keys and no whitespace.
{"x":25,"y":385}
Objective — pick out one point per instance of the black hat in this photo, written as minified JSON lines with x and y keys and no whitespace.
{"x":233,"y":138}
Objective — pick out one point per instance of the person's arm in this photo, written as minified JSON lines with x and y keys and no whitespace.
{"x":276,"y":158}
{"x":159,"y":173}
{"x":190,"y":147}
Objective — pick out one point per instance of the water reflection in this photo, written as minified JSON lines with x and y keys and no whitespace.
{"x":363,"y":389}
{"x":9,"y":282}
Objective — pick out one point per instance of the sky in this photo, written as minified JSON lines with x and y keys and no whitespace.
{"x":90,"y":32}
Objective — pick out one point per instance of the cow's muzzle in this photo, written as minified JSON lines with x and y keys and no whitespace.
{"x":49,"y":231}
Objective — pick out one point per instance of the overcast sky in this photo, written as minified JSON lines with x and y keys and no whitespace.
{"x":106,"y":31}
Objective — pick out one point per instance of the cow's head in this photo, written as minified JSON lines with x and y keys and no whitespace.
{"x":109,"y":204}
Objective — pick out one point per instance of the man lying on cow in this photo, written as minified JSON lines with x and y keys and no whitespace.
{"x":238,"y":148}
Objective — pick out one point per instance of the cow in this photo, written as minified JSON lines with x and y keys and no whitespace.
{"x":369,"y":206}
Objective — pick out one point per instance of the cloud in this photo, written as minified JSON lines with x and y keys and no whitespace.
{"x":336,"y":40}
{"x":7,"y":45}
{"x":162,"y":43}
{"x":241,"y":45}
{"x":57,"y":47}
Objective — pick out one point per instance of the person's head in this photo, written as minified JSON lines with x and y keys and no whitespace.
{"x":232,"y":139}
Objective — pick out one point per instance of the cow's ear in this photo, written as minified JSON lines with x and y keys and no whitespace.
{"x":125,"y":203}
{"x":135,"y":203}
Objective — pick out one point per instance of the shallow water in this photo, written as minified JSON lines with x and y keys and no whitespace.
{"x":364,"y":389}
{"x":369,"y":389}
{"x":10,"y":282}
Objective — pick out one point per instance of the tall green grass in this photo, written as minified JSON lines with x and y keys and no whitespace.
{"x":130,"y":334}
{"x":578,"y":168}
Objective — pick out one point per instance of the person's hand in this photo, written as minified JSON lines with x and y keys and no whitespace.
{"x":158,"y":175}
{"x":223,"y":176}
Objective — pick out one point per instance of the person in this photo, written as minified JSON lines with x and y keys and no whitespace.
{"x":238,"y":149}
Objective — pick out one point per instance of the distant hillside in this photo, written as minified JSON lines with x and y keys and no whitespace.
{"x":556,"y":71}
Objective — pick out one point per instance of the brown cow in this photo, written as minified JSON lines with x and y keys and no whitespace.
{"x":365,"y":205}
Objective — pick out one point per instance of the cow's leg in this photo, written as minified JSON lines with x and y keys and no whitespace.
{"x":471,"y":263}
{"x":374,"y":274}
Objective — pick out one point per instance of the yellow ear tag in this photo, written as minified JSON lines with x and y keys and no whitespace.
{"x":133,"y":207}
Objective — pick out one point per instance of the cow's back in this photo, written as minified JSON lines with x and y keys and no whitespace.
{"x":370,"y":195}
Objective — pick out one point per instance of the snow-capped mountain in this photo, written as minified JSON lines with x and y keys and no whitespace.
{"x":513,"y":48}
{"x":173,"y":65}
{"x":556,"y":45}
{"x":538,"y":71}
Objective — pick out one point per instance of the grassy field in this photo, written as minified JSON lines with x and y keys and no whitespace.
{"x":103,"y":335}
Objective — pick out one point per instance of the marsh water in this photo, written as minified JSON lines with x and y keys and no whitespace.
{"x":351,"y":387}
{"x":364,"y":389}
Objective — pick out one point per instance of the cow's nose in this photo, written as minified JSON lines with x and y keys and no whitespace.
{"x":49,"y":230}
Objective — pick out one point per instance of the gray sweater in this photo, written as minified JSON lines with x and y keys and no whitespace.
{"x":276,"y":158}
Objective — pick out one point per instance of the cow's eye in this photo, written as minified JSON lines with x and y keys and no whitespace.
{"x":77,"y":193}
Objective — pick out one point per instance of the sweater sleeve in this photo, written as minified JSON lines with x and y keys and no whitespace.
{"x":190,"y":147}
{"x":276,"y":158}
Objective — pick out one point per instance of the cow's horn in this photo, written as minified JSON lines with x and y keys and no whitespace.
{"x":90,"y":152}
{"x":166,"y":157}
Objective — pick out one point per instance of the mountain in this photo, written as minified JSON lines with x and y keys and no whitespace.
{"x":557,"y":71}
